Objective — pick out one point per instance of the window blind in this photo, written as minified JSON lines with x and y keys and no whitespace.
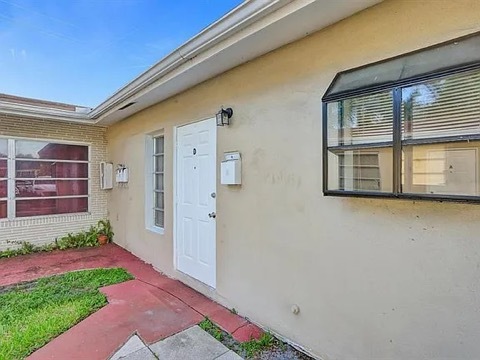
{"x":369,"y":118}
{"x":444,"y":107}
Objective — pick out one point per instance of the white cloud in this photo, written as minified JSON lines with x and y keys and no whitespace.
{"x":16,"y":54}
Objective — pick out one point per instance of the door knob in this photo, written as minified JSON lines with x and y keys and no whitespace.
{"x":212,"y":215}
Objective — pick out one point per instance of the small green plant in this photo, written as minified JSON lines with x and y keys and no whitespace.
{"x":105,"y":228}
{"x":208,"y":326}
{"x":234,"y":311}
{"x":27,"y":248}
{"x":81,"y":239}
{"x":49,"y":247}
{"x":23,"y":248}
{"x":254,"y":346}
{"x":8,"y":253}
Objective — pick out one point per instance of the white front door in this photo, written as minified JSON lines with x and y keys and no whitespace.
{"x":195,"y":200}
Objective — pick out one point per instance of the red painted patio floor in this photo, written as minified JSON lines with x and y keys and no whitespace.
{"x":153,"y":305}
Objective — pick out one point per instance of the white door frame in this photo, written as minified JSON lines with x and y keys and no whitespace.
{"x":175,"y":196}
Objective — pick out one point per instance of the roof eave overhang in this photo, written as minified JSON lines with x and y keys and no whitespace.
{"x":237,"y":19}
{"x":13,"y":110}
{"x":252,"y":29}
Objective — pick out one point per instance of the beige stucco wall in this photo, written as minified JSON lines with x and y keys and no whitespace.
{"x":44,"y":229}
{"x":374,"y":279}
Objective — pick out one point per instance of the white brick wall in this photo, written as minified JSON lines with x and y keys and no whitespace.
{"x":42,"y":230}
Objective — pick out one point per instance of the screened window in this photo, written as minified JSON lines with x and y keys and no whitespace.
{"x":416,"y":135}
{"x":42,"y":178}
{"x":158,"y":182}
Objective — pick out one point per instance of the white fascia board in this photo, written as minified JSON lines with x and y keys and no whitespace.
{"x":237,"y":19}
{"x":240,"y":17}
{"x":248,"y":27}
{"x":38,"y":112}
{"x":237,"y":37}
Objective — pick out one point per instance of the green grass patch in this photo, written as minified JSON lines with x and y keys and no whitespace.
{"x":254,"y":346}
{"x":250,"y":349}
{"x":211,"y":328}
{"x":32,"y":314}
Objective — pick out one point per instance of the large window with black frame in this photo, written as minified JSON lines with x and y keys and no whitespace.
{"x":406,"y":127}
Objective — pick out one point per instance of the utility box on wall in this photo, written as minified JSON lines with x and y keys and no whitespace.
{"x":106,"y":175}
{"x":231,"y":169}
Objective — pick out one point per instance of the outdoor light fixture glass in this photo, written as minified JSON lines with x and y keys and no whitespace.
{"x":223,"y":116}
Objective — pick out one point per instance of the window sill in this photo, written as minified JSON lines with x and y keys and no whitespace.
{"x":156,"y":230}
{"x":405,"y":196}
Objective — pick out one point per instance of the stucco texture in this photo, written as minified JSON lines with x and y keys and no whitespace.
{"x":374,"y":279}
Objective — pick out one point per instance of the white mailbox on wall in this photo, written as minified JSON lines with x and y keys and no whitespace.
{"x":121,"y":174}
{"x":231,"y":169}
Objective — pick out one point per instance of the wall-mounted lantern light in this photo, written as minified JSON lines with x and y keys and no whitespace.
{"x":223,"y":116}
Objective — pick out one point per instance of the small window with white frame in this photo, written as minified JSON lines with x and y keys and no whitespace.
{"x":158,"y":181}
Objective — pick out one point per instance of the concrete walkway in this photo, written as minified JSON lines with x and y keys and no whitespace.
{"x":190,"y":344}
{"x":152,"y":306}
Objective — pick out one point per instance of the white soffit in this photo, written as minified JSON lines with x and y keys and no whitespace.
{"x":254,"y":28}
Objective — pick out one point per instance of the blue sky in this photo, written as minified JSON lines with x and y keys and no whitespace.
{"x":82,"y":51}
